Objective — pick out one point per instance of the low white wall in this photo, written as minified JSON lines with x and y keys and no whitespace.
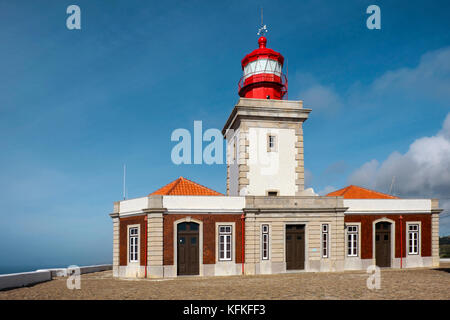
{"x":16,"y":280}
{"x":133,"y":205}
{"x":387,"y":205}
{"x":97,"y":268}
{"x":200,"y":204}
{"x":56,"y":272}
{"x":62,"y":272}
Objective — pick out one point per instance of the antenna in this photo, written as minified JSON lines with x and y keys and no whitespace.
{"x":263,"y":30}
{"x":262,"y":16}
{"x":124,"y":180}
{"x":392,"y":184}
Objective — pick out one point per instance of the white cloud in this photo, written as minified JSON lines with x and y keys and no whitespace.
{"x":314,"y":94}
{"x":308,"y":178}
{"x":423,"y":171}
{"x":431,"y":78}
{"x":327,"y":190}
{"x":321,"y":97}
{"x":366,"y":174}
{"x":445,"y":131}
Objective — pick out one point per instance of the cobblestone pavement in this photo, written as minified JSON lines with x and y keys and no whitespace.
{"x":395,"y":284}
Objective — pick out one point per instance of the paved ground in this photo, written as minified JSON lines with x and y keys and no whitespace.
{"x":395,"y":284}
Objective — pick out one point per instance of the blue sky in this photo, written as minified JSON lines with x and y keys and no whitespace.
{"x":77,"y":104}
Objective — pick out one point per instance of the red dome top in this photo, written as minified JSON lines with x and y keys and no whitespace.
{"x":261,"y":53}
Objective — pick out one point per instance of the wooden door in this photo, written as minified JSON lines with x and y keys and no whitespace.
{"x":295,"y":247}
{"x":187,"y":249}
{"x":383,"y":244}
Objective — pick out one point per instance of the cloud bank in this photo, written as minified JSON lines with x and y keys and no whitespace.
{"x":423,"y":171}
{"x":429,"y":80}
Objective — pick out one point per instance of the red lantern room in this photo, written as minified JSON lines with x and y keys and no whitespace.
{"x":263,"y":77}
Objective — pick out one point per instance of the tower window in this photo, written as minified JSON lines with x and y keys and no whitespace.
{"x":271,"y":143}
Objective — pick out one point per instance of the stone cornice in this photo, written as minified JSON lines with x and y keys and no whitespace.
{"x":155,"y":210}
{"x":294,"y":210}
{"x":114,"y":215}
{"x":392,"y":212}
{"x":269,"y":110}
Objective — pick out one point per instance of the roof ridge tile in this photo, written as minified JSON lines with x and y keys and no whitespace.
{"x":184,"y":186}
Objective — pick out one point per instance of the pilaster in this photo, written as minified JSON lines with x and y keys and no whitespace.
{"x":155,"y":244}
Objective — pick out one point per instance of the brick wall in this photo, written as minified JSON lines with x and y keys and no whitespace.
{"x":209,"y":235}
{"x":123,"y":236}
{"x":367,"y":237}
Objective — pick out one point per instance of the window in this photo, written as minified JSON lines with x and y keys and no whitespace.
{"x":272,"y":193}
{"x":265,"y":242}
{"x":225,"y":243}
{"x":413,"y":238}
{"x":352,"y":241}
{"x":271,"y":143}
{"x":133,"y":243}
{"x":325,"y":241}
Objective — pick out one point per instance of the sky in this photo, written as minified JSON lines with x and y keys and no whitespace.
{"x":75,"y":105}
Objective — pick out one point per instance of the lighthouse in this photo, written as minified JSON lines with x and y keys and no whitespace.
{"x":268,"y":223}
{"x":264,"y":132}
{"x":263,"y":77}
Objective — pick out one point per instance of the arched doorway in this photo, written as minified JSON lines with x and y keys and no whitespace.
{"x":383,"y":244}
{"x":188,"y":248}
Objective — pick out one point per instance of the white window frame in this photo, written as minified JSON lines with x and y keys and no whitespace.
{"x":354,"y":231}
{"x":137,"y":238}
{"x":265,"y":237}
{"x":417,"y":232}
{"x":224,"y":233}
{"x":325,"y":243}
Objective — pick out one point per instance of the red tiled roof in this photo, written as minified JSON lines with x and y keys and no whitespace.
{"x":355,"y":192}
{"x":185,"y":187}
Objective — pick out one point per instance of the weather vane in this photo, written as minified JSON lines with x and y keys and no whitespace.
{"x":263,"y":30}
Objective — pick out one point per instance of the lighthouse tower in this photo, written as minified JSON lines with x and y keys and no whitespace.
{"x":264,"y":132}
